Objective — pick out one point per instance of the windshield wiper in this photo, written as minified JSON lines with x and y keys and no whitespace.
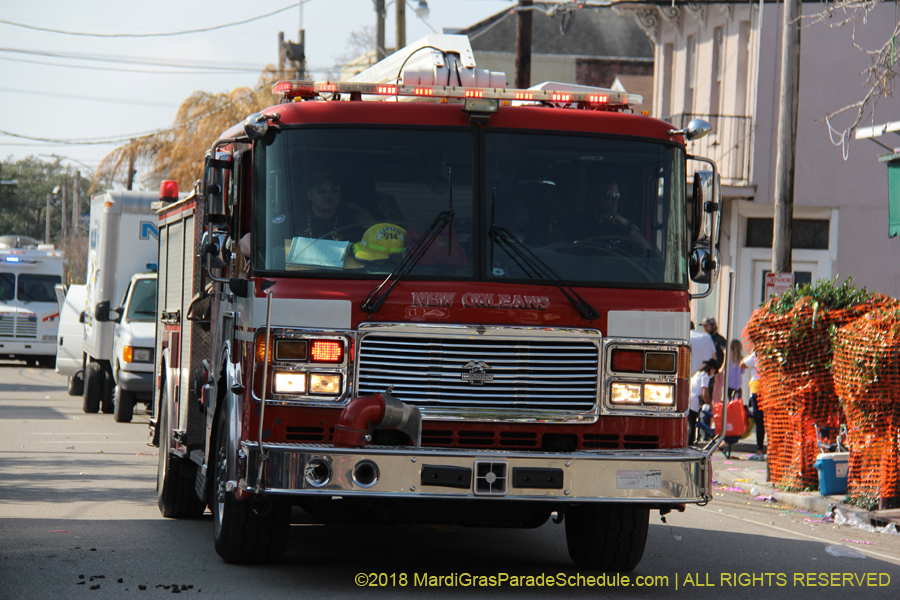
{"x":376,"y":297}
{"x":535,"y":268}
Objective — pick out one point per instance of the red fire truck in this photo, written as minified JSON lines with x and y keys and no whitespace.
{"x":438,"y":300}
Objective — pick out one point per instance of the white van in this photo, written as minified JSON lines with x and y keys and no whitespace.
{"x":69,"y":353}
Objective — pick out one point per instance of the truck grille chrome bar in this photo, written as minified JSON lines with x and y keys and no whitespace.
{"x":458,"y":373}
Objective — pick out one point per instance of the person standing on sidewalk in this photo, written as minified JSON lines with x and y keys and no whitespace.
{"x":699,"y":395}
{"x":702,"y":348}
{"x":736,"y":369}
{"x":712,"y":328}
{"x":750,"y":363}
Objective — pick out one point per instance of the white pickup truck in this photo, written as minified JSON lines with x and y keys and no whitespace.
{"x":133,"y":345}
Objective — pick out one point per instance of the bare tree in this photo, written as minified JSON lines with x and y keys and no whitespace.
{"x":178,"y":152}
{"x":359,"y":42}
{"x":880,"y":74}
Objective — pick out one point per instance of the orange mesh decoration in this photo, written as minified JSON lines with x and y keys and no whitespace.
{"x":794,"y":352}
{"x":867,"y":379}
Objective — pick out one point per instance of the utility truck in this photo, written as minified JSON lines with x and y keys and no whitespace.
{"x":436,"y":300}
{"x":29,"y":312}
{"x":122,"y":242}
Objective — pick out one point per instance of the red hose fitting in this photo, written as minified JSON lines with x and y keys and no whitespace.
{"x":357,"y":419}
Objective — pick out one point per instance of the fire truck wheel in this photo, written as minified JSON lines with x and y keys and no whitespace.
{"x":246,"y":531}
{"x":93,"y":383}
{"x":607,"y":537}
{"x":123,"y":402}
{"x":175,"y":477}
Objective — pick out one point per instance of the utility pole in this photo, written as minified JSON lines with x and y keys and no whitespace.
{"x":282,"y":55}
{"x":523,"y":44}
{"x":76,"y":205}
{"x":379,"y":30}
{"x":47,"y":222}
{"x":787,"y":138}
{"x":64,"y":207}
{"x":130,"y":168}
{"x":401,"y":23}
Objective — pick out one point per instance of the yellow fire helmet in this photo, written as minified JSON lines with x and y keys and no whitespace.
{"x":380,"y":241}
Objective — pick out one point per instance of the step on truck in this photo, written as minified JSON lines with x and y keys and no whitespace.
{"x":438,"y":300}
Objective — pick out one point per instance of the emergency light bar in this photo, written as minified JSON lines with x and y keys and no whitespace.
{"x":306,"y":90}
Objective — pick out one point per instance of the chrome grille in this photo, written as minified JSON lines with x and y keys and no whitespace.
{"x":26,"y":327}
{"x":7,"y":325}
{"x":524,"y":374}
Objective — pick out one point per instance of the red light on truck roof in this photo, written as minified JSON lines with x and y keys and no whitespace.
{"x":598,"y":99}
{"x":168,"y":190}
{"x":559,"y":97}
{"x":424,"y":91}
{"x":281,"y":87}
{"x":386,"y":90}
{"x":327,"y":87}
{"x":474,"y":93}
{"x":327,"y":351}
{"x":524,"y":96}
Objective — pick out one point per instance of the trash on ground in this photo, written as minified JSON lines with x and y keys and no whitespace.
{"x":844,"y":552}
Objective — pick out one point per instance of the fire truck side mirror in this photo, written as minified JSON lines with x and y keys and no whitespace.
{"x":239,"y":287}
{"x":214,"y":189}
{"x":705,"y":215}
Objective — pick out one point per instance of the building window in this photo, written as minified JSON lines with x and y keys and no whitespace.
{"x":807,"y":234}
{"x":690,"y":74}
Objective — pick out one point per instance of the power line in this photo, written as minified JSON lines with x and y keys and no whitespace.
{"x":67,"y":96}
{"x":143,"y":35}
{"x":49,"y":64}
{"x":139,"y":60}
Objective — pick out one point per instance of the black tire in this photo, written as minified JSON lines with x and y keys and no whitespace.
{"x":123,"y":402}
{"x":48,"y":361}
{"x":31,"y":362}
{"x":93,"y":385}
{"x":175,"y":478}
{"x":76,"y":384}
{"x":107,"y":406}
{"x":607,"y":537}
{"x":246,"y":531}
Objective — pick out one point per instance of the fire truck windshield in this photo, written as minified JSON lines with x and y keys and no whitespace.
{"x":351,"y":202}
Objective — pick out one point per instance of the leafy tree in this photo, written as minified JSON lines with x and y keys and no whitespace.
{"x":23,"y":206}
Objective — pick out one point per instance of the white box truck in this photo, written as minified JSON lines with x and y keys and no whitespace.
{"x":123,"y":241}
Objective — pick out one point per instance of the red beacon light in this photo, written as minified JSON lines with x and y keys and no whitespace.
{"x":386,"y":90}
{"x":598,"y":99}
{"x":474,"y":93}
{"x":168,"y":190}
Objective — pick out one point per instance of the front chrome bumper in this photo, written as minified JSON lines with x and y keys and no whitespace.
{"x":657,"y":477}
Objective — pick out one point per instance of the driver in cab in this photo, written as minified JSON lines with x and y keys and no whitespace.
{"x":327,"y":216}
{"x":602,"y":222}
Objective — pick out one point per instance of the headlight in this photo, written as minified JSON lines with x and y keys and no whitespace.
{"x":625,"y":393}
{"x":659,"y":393}
{"x":289,"y":383}
{"x":131,"y":354}
{"x":325,"y":384}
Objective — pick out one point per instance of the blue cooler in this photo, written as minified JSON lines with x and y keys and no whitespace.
{"x":833,"y":468}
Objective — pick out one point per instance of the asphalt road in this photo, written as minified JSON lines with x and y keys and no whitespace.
{"x":78,"y":519}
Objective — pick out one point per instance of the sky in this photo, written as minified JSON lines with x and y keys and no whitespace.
{"x":45,"y":93}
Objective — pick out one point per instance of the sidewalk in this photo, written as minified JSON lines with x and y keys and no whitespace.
{"x":739,"y":472}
